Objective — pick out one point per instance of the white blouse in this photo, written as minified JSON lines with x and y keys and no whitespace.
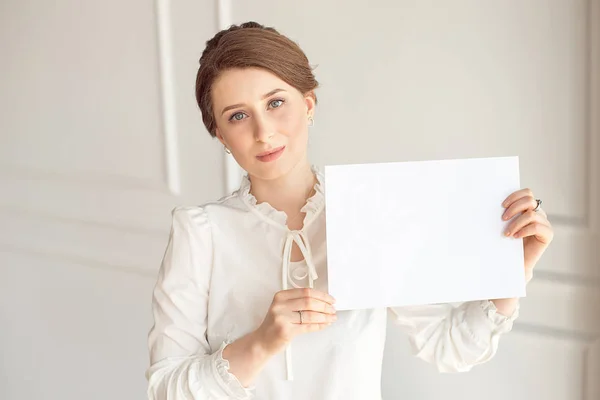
{"x":223,"y":264}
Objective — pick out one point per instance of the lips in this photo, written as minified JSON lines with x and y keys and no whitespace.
{"x":271,"y":155}
{"x":266,"y":153}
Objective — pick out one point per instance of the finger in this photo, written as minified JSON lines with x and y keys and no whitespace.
{"x":543,"y":214}
{"x":542,"y":232}
{"x":542,"y":218}
{"x":521,"y":205}
{"x":312,"y":317}
{"x":305,"y":292}
{"x":522,"y":220}
{"x":307,"y":328}
{"x":516,"y":196}
{"x":310,"y":304}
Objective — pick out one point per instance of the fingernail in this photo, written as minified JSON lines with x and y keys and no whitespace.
{"x":507,"y":233}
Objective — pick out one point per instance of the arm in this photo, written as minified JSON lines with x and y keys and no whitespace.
{"x":182,"y":365}
{"x":508,"y":306}
{"x":454,"y":337}
{"x":535,"y":230}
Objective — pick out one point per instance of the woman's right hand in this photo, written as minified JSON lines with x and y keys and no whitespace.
{"x":249,"y":354}
{"x":282,"y":322}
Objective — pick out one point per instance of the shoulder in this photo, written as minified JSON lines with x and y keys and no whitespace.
{"x":202,"y":215}
{"x":188,"y":215}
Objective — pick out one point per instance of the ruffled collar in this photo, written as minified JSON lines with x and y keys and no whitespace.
{"x":266,"y":211}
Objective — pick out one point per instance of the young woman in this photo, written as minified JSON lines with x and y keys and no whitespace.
{"x":241,"y":308}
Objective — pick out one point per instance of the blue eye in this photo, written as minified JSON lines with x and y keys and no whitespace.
{"x":239,"y":116}
{"x":235,"y":116}
{"x":279,"y":103}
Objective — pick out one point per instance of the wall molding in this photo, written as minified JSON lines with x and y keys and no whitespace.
{"x":561,"y":278}
{"x":591,"y":384}
{"x":232,"y":171}
{"x":81,"y":177}
{"x":593,"y":114}
{"x":78,"y":260}
{"x":562,"y":334}
{"x":167,"y":97}
{"x":51,"y":218}
{"x":169,"y":122}
{"x":591,"y":368}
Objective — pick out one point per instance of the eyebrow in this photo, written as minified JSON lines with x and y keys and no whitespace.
{"x":271,"y":93}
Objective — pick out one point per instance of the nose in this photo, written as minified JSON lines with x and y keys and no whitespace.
{"x":263,"y":130}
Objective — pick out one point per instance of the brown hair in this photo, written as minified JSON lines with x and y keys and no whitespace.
{"x":250,"y":45}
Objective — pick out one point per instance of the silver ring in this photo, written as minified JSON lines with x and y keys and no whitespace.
{"x":537,"y":207}
{"x":300,"y":312}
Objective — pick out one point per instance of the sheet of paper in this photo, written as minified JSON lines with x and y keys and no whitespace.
{"x":424,"y":232}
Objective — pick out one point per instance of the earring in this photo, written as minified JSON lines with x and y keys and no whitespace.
{"x":311,"y":121}
{"x":226,"y":149}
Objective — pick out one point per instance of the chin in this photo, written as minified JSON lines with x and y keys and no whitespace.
{"x":273,"y":170}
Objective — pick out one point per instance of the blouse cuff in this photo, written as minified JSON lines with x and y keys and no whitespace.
{"x":499,"y":321}
{"x":484,"y":320}
{"x":229,"y":382}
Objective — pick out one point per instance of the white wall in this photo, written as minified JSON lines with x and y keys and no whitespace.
{"x":100,"y":137}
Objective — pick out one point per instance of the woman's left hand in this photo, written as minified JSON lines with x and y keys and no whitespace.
{"x":532,"y":226}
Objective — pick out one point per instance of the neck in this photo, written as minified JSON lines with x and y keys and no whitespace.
{"x":288,"y":192}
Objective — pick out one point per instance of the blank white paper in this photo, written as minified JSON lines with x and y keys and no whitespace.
{"x":411,"y":233}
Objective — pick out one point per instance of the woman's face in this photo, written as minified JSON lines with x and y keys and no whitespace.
{"x":256,"y":112}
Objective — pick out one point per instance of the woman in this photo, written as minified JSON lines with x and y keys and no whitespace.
{"x":241,"y":306}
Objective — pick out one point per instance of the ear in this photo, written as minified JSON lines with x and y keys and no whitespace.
{"x":220,"y":137}
{"x":309,"y":100}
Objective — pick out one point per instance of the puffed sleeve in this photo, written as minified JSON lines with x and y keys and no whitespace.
{"x":181,"y":363}
{"x":454,"y":337}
